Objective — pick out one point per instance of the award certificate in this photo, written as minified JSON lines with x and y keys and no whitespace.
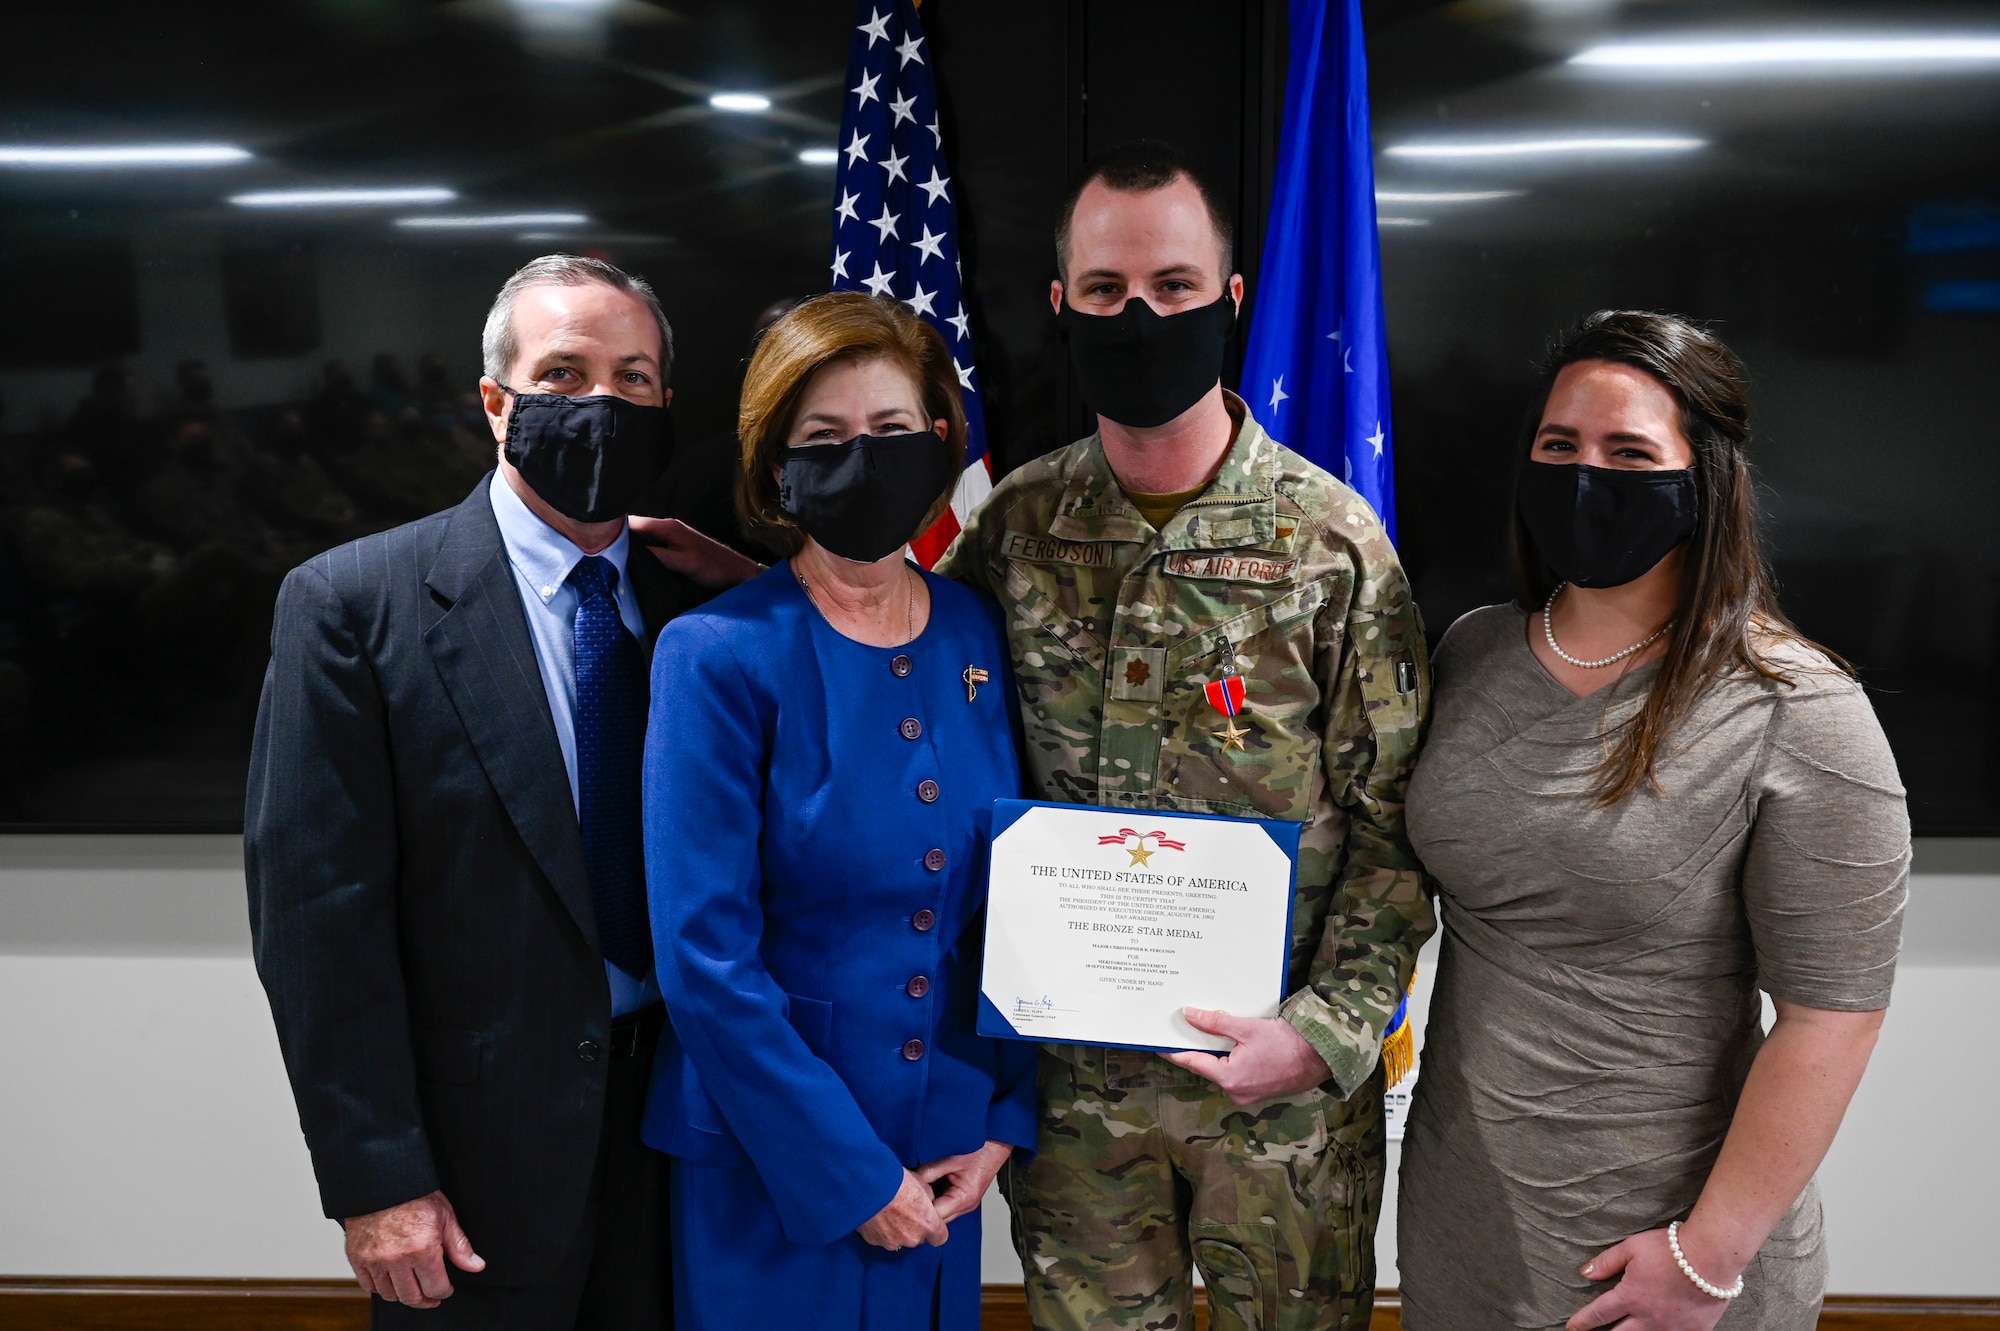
{"x":1102,"y":924}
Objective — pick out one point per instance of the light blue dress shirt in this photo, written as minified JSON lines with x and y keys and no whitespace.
{"x":542,"y":558}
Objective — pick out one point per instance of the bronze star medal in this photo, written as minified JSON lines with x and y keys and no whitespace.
{"x":1225,"y":694}
{"x":1139,"y":854}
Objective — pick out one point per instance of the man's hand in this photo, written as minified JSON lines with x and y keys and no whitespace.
{"x":400,"y":1253}
{"x":910,"y":1218}
{"x":687,"y":552}
{"x":969,"y":1175}
{"x":1653,"y":1295}
{"x":1271,"y":1060}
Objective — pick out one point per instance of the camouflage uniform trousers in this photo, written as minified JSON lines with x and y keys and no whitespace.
{"x":1143,"y":1168}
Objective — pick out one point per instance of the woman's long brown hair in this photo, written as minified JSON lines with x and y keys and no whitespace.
{"x":1727,"y":615}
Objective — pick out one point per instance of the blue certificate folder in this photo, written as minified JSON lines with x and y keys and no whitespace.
{"x":1285,"y":836}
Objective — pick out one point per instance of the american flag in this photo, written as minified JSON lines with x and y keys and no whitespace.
{"x":895,"y":222}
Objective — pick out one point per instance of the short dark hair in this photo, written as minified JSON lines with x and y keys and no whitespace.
{"x":1139,"y":167}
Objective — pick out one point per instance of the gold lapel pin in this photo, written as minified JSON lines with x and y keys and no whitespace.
{"x":973,"y":678}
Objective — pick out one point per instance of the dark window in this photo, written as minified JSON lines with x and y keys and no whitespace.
{"x":68,"y":301}
{"x":306,"y":372}
{"x":272,"y":295}
{"x":1837,"y":223}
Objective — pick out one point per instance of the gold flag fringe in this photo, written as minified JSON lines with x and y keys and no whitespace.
{"x":1399,"y":1047}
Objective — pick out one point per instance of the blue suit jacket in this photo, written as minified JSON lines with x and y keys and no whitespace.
{"x":820,"y":963}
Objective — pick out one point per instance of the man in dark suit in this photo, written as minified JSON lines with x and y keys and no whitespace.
{"x":443,"y":846}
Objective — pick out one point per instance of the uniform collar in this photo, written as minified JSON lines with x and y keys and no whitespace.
{"x":1239,"y":507}
{"x":543,"y":555}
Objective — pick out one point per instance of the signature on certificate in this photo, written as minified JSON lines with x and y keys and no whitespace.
{"x":1034,"y":1006}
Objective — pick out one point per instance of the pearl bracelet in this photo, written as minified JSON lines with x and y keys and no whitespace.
{"x":1713,"y":1291}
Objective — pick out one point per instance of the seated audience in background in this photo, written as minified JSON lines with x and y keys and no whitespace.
{"x":1645,"y":798}
{"x":443,"y":846}
{"x":818,"y":777}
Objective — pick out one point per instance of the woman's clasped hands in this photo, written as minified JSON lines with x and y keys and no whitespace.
{"x":919,"y":1214}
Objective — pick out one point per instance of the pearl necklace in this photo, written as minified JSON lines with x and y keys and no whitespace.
{"x":909,"y":613}
{"x":1548,"y":631}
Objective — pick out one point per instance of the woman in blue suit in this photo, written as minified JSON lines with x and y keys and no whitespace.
{"x":826,"y":744}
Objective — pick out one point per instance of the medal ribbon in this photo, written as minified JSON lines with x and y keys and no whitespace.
{"x":1225,"y":695}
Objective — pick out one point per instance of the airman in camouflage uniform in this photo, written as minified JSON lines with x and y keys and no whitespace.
{"x":1145,"y":1167}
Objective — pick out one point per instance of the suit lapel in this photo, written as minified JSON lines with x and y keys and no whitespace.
{"x":486,"y":658}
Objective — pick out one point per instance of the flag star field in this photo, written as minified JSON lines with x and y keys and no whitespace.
{"x":895,"y":220}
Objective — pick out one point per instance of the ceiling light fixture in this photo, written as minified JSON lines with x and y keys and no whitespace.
{"x":743,"y":103}
{"x":820,"y":156}
{"x":1568,"y":145}
{"x":344,"y":198}
{"x":82,"y":157}
{"x":476,"y":222}
{"x":1768,"y":53}
{"x":1402,"y":221}
{"x":1445,"y":196}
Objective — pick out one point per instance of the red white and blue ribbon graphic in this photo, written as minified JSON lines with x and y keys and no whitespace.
{"x":1126,"y":834}
{"x":1225,"y":695}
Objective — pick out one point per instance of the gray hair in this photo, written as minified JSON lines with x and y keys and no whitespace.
{"x":498,"y":346}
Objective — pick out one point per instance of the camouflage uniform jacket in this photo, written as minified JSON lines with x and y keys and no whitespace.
{"x":1115,"y":627}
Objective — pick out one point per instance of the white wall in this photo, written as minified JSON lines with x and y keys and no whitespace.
{"x":146,"y":1128}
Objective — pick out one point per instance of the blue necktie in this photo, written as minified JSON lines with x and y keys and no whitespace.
{"x":610,"y":741}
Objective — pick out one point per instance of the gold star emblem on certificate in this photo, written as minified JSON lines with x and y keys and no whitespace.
{"x":1139,"y":854}
{"x":1232,"y":735}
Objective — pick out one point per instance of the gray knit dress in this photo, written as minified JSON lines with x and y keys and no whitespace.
{"x":1596,"y":1007}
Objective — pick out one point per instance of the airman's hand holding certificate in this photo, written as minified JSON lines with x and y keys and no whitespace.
{"x":1103,"y":924}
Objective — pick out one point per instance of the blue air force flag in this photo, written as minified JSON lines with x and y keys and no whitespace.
{"x":1316,"y":371}
{"x":895,"y":223}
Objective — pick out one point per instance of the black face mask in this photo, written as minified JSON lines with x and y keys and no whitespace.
{"x":1141,"y":368}
{"x":863,"y":499}
{"x":591,"y":459}
{"x":1604,"y":526}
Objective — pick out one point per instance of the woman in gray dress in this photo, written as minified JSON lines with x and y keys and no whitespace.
{"x":1645,"y":797}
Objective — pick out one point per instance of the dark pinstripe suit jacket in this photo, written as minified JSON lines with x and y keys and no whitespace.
{"x":418,"y":901}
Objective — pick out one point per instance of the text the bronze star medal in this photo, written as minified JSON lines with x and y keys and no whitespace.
{"x":1231,"y":735}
